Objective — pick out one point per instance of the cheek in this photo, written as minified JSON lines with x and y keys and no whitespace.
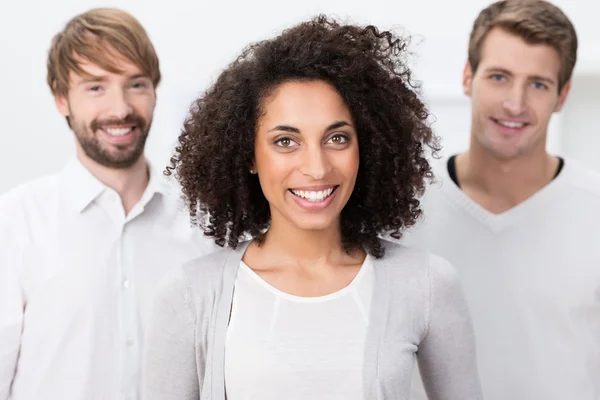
{"x":274,"y":169}
{"x":543,"y":109}
{"x":145,"y":107}
{"x":483,"y":99}
{"x":347,"y":162}
{"x":83,"y":112}
{"x":273,"y":183}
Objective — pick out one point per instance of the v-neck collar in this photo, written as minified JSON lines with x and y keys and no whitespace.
{"x":505,"y":219}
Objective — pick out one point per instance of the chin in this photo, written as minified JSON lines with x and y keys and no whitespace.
{"x":504,"y":155}
{"x":313,"y":224}
{"x":509,"y":153}
{"x":503,"y":151}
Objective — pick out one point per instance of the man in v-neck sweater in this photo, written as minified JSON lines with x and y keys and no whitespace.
{"x":521,"y":226}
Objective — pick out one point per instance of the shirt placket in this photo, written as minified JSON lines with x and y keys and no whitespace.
{"x":129,"y":318}
{"x":128,"y":332}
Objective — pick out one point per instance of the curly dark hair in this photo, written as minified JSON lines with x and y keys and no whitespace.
{"x":366,"y":67}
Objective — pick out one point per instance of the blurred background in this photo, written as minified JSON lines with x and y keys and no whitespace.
{"x":196,"y":39}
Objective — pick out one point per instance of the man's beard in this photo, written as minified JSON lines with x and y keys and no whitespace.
{"x":125,"y":155}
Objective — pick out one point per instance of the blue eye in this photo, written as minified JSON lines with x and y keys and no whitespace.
{"x":497,"y":77}
{"x":539,"y":85}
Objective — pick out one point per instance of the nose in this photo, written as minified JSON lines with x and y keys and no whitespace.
{"x":315,"y":163}
{"x":515,"y":102}
{"x":118,"y":105}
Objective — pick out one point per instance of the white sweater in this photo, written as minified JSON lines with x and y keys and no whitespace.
{"x":532,"y":281}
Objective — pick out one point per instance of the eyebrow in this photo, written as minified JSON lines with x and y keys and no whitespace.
{"x":532,"y":77}
{"x":94,"y":78}
{"x":138,"y":76}
{"x":292,"y":129}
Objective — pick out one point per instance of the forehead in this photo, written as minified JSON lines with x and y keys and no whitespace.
{"x":504,"y":50}
{"x":295,"y":99}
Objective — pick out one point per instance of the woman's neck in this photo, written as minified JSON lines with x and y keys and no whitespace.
{"x":290,"y":244}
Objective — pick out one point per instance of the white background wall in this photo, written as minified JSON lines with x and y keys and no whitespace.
{"x":195,"y":39}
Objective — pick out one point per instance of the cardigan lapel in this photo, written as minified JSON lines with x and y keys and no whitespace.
{"x":224,"y":302}
{"x":378,"y":316}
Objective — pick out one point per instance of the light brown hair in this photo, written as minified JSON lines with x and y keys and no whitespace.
{"x":89,"y":35}
{"x":534,"y":21}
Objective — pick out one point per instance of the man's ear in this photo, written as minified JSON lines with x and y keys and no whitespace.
{"x":562,"y":97}
{"x":467,"y":79}
{"x":61,"y":101}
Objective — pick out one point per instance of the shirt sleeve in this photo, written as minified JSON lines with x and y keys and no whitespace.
{"x":169,"y":370}
{"x":13,"y":236}
{"x":447,"y":356}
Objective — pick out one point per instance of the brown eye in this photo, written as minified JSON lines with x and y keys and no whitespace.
{"x":338,"y":139}
{"x":285,"y":142}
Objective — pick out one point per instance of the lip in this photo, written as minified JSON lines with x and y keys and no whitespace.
{"x":128,"y":137}
{"x":507,"y":129}
{"x":118,"y":126}
{"x":317,"y":188}
{"x":314,"y":205}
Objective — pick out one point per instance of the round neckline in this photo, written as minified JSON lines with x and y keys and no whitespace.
{"x":366,"y":265}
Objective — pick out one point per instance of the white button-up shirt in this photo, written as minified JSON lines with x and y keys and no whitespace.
{"x":76,"y":281}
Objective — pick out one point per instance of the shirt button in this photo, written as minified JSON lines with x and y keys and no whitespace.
{"x":129,"y":342}
{"x":126,"y":284}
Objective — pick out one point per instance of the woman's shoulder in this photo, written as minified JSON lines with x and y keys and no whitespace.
{"x":401,"y":260}
{"x":197,"y":281}
{"x":205,"y":269}
{"x":417,"y":279}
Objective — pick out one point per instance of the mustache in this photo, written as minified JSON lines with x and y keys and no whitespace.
{"x":131,"y":119}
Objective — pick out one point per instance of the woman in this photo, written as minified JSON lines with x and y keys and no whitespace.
{"x":312,"y":144}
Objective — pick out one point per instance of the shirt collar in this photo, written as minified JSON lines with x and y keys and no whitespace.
{"x":156,"y":184}
{"x":82,"y":187}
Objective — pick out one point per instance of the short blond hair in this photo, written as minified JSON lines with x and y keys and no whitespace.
{"x":534,"y":21}
{"x":87,"y":37}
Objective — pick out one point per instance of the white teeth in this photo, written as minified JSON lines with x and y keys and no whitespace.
{"x":313,"y":196}
{"x":510,"y":124}
{"x":118,"y":131}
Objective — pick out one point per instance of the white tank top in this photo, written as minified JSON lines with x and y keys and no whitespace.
{"x":281,"y":346}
